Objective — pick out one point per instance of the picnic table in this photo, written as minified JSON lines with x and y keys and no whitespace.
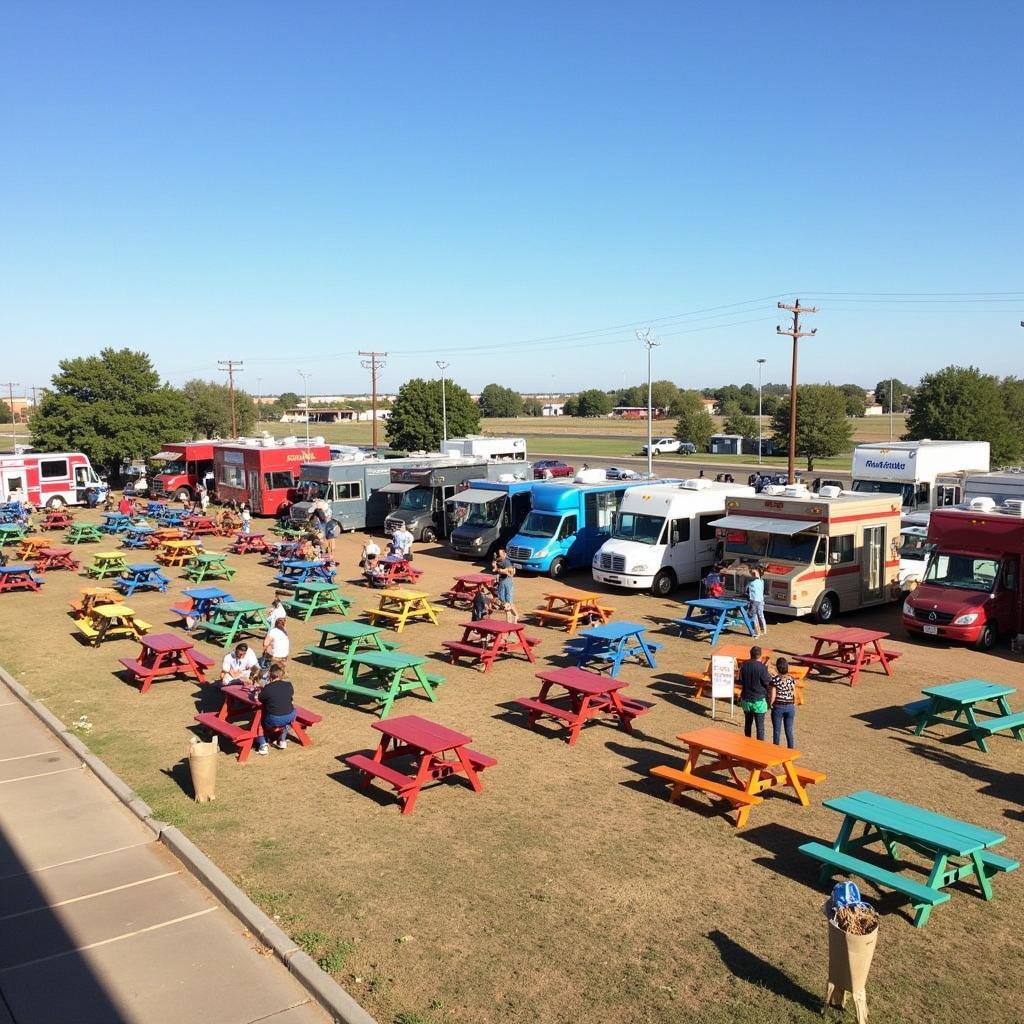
{"x":55,"y":558}
{"x":12,"y":533}
{"x":231,"y":620}
{"x":19,"y":577}
{"x":176,"y":553}
{"x":740,"y":653}
{"x":308,"y":599}
{"x":956,"y":849}
{"x":486,"y":639}
{"x":199,"y":604}
{"x":155,"y":508}
{"x":397,"y":607}
{"x":964,"y":704}
{"x":92,"y":596}
{"x":846,"y":651}
{"x":164,"y":533}
{"x":383,"y":676}
{"x":394,"y":570}
{"x":201,"y":526}
{"x":170,"y":517}
{"x":83,"y":533}
{"x":137,"y":536}
{"x":242,"y":705}
{"x":141,"y":576}
{"x":283,"y":528}
{"x":115,"y":522}
{"x":340,"y":641}
{"x":56,"y":519}
{"x":766,"y":765}
{"x":247,"y":543}
{"x":589,"y":695}
{"x":111,"y":622}
{"x":295,"y":571}
{"x":29,"y":547}
{"x":465,"y":588}
{"x":166,"y":656}
{"x":714,"y":615}
{"x":209,"y":566}
{"x":281,"y":551}
{"x":106,"y":563}
{"x":571,"y":608}
{"x":439,"y":751}
{"x":609,"y":645}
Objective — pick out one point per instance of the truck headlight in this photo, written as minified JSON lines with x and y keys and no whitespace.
{"x":908,"y":609}
{"x":965,"y":620}
{"x":639,"y":567}
{"x":540,"y":554}
{"x":477,"y":541}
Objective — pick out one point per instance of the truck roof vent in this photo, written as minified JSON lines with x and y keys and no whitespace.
{"x":983,"y":504}
{"x":830,"y":491}
{"x":590,"y":476}
{"x":695,"y":484}
{"x":796,"y":491}
{"x":316,"y":440}
{"x":1014,"y":507}
{"x":267,"y":442}
{"x":773,"y":489}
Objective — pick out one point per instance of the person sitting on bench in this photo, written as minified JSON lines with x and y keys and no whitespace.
{"x":277,"y":697}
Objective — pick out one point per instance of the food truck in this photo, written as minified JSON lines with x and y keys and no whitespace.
{"x":183,"y":467}
{"x":49,"y":478}
{"x":263,"y":471}
{"x":569,"y":521}
{"x":477,"y":446}
{"x":971,"y":589}
{"x":662,"y":534}
{"x":1001,"y":486}
{"x":486,"y":515}
{"x":820,"y":554}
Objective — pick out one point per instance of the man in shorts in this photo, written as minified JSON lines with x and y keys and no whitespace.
{"x":505,"y":570}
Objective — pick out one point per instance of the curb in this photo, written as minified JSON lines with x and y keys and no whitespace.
{"x":320,"y":985}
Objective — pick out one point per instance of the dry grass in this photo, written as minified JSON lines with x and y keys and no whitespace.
{"x":569,"y":889}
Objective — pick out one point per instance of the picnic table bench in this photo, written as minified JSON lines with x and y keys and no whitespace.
{"x":384,"y":676}
{"x":170,"y":517}
{"x":209,"y":566}
{"x":166,"y":656}
{"x":571,"y":608}
{"x":956,"y":849}
{"x":607,"y":647}
{"x":201,"y":526}
{"x":199,"y":603}
{"x":340,"y":641}
{"x":111,"y":622}
{"x":395,"y":569}
{"x":231,"y":620}
{"x":715,"y":615}
{"x":846,"y":651}
{"x":963,"y":704}
{"x":115,"y":522}
{"x":30,"y":545}
{"x":56,"y":519}
{"x":435,"y":753}
{"x":83,"y":533}
{"x":701,"y":681}
{"x":308,"y":599}
{"x":55,"y":558}
{"x":19,"y":577}
{"x":465,"y":588}
{"x":137,"y":537}
{"x":12,"y":533}
{"x":249,"y":543}
{"x":397,"y":607}
{"x":141,"y":576}
{"x":486,"y":639}
{"x":281,"y":551}
{"x":297,"y":571}
{"x":161,"y":534}
{"x":92,"y":596}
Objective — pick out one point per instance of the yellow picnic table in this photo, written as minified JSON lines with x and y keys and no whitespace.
{"x":397,"y":607}
{"x":572,"y":608}
{"x":111,"y":622}
{"x":31,"y":546}
{"x":178,"y":552}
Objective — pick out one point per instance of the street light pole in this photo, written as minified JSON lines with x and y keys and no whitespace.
{"x":890,"y":408}
{"x":305,"y":380}
{"x":442,"y":365}
{"x":649,"y":342}
{"x":760,"y":439}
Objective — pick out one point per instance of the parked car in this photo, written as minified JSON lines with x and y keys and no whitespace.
{"x":554,"y":467}
{"x":615,"y":473}
{"x":662,"y":445}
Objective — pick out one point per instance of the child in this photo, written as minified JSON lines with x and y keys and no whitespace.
{"x":482,"y":603}
{"x":246,"y":517}
{"x":783,"y":702}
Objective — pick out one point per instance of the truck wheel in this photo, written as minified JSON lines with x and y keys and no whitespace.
{"x":986,"y":639}
{"x":182,"y":494}
{"x":557,"y":569}
{"x":55,"y":502}
{"x":429,"y":535}
{"x":664,"y":583}
{"x":826,"y":608}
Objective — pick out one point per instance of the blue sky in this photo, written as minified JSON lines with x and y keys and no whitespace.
{"x":512,"y":188}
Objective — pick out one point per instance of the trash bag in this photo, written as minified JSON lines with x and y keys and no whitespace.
{"x":202,"y":764}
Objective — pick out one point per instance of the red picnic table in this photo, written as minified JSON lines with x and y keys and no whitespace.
{"x":242,"y":704}
{"x":485,"y":639}
{"x":201,"y":526}
{"x":397,"y":570}
{"x":589,"y":695}
{"x":56,"y":519}
{"x":846,"y":651}
{"x":465,"y":588}
{"x":18,"y":577}
{"x":245,"y":543}
{"x":441,"y":752}
{"x":55,"y":558}
{"x":166,"y":656}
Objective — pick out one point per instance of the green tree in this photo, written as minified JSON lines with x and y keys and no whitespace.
{"x":902,"y":394}
{"x":856,"y":399}
{"x":416,"y":423}
{"x":593,"y":402}
{"x":1012,"y":389}
{"x":498,"y":401}
{"x":5,"y":413}
{"x":210,"y":406}
{"x":960,"y":403}
{"x":738,"y":422}
{"x":822,"y":426}
{"x":693,"y":421}
{"x":285,"y":400}
{"x":532,"y":407}
{"x":112,"y":407}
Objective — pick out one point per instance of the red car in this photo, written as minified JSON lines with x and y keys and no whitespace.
{"x":552,"y":466}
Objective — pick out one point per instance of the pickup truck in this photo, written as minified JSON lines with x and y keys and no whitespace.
{"x":670,"y":444}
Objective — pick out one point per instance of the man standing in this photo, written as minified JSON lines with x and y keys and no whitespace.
{"x":403,"y":541}
{"x":755,"y":595}
{"x":755,"y":686}
{"x":506,"y":571}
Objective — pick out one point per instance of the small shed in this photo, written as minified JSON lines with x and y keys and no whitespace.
{"x":725,"y":444}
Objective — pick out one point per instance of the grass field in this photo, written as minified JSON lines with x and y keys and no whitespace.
{"x":569,"y":890}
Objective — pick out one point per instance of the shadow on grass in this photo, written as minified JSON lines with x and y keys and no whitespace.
{"x":748,"y":966}
{"x":892,"y":717}
{"x":181,"y":776}
{"x":678,"y":692}
{"x":1008,"y":786}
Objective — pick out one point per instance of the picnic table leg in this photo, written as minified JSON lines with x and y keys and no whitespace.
{"x":752,"y":787}
{"x":929,"y":715}
{"x":935,"y":880}
{"x":581,"y":717}
{"x":798,"y":787}
{"x":882,"y":658}
{"x":857,"y":665}
{"x":245,"y":746}
{"x":421,"y":678}
{"x":979,"y":737}
{"x":467,"y":767}
{"x":422,"y":774}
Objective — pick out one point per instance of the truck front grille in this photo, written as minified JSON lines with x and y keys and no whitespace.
{"x":939,"y":619}
{"x":390,"y":525}
{"x":519,"y":554}
{"x":613,"y":563}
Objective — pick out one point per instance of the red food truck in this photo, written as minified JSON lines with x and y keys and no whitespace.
{"x":971,"y":588}
{"x":185,"y":467}
{"x":263,"y":472}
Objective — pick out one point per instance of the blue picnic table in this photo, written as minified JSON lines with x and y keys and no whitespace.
{"x":610,"y":645}
{"x":169,"y":517}
{"x":154,"y":508}
{"x":296,"y":571}
{"x":136,"y":536}
{"x":963,"y":704}
{"x":714,"y":615}
{"x":115,"y":522}
{"x":204,"y":601}
{"x":144,"y":576}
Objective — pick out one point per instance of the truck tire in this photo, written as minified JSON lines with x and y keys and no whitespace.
{"x":429,"y":535}
{"x":557,"y":568}
{"x":986,"y":638}
{"x":55,"y":502}
{"x":664,"y":583}
{"x":182,"y":494}
{"x":825,"y":608}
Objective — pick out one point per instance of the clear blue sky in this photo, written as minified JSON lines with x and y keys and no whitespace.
{"x":288,"y":183}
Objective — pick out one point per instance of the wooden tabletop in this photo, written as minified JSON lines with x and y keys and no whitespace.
{"x":614,"y":630}
{"x":141,"y":568}
{"x":477,"y":578}
{"x":581,"y":682}
{"x":206,"y":594}
{"x":494,"y":626}
{"x":113,"y":611}
{"x":743,"y":748}
{"x":421,"y":733}
{"x":716,"y":604}
{"x":398,"y":594}
{"x":570,"y":595}
{"x":850,"y":635}
{"x":164,"y":643}
{"x":348,"y":630}
{"x":741,"y":652}
{"x":234,"y":607}
{"x":389,"y":659}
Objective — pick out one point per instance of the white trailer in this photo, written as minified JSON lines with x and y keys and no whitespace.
{"x":1001,"y":486}
{"x":926,"y":474}
{"x":476,"y":446}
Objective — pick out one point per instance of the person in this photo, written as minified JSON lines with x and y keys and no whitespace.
{"x":502,"y":565}
{"x":374,"y":573}
{"x":277,"y":697}
{"x":276,"y":645}
{"x":584,"y":466}
{"x":752,"y":480}
{"x":482,"y":602}
{"x":238,"y":665}
{"x":276,"y":612}
{"x":318,"y":518}
{"x":394,"y":547}
{"x":246,"y":516}
{"x":714,"y":585}
{"x":92,"y":497}
{"x":700,"y":476}
{"x":204,"y":499}
{"x":782,"y":701}
{"x":403,"y":538}
{"x":755,"y":685}
{"x":755,"y":595}
{"x":370,"y":553}
{"x":547,"y":474}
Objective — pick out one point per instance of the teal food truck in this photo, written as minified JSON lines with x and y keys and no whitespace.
{"x":569,"y":521}
{"x":486,"y":515}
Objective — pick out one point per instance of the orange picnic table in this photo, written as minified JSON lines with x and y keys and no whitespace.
{"x":178,"y":552}
{"x":91,"y":597}
{"x":571,"y":608}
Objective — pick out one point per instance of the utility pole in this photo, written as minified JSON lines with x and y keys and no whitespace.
{"x":305,"y":380}
{"x":646,"y":339}
{"x":760,"y":432}
{"x":796,"y":334}
{"x":443,"y":365}
{"x":373,"y":364}
{"x":231,"y":366}
{"x":11,"y":385}
{"x":890,"y":408}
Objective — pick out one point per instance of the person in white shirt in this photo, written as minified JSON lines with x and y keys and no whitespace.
{"x":403,"y":539}
{"x":246,"y":516}
{"x":276,"y":611}
{"x":276,"y":645}
{"x":238,"y":665}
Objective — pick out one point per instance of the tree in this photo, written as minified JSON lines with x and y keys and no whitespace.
{"x":532,"y":407}
{"x":902,"y":394}
{"x":498,"y":401}
{"x":210,"y":407}
{"x":856,"y":399}
{"x":416,"y":422}
{"x":738,"y":422}
{"x":960,"y":403}
{"x":822,"y":426}
{"x":112,"y":407}
{"x":693,"y":421}
{"x":593,"y":403}
{"x":285,"y":400}
{"x":5,"y":413}
{"x":1012,"y":389}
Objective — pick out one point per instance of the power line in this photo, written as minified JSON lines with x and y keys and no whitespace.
{"x":373,"y":364}
{"x":232,"y":366}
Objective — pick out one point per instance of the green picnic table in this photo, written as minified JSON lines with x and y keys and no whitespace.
{"x":209,"y":566}
{"x":84,"y":533}
{"x":12,"y":533}
{"x":340,"y":641}
{"x":383,"y":676}
{"x":958,"y":704}
{"x":309,"y":598}
{"x":106,"y":563}
{"x":231,"y":620}
{"x":284,"y":529}
{"x":957,"y":850}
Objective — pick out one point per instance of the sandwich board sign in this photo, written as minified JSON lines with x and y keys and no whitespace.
{"x":723,"y":682}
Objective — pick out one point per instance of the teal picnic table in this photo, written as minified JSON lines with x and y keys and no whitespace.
{"x":209,"y":566}
{"x":341,"y":641}
{"x":84,"y":533}
{"x":957,"y":850}
{"x":962,"y":703}
{"x":231,"y":620}
{"x":11,"y":533}
{"x":384,"y":676}
{"x":310,"y":598}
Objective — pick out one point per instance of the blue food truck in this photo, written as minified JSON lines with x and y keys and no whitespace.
{"x":486,"y":515}
{"x":569,"y":521}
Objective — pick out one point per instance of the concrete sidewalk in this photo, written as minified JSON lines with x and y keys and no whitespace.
{"x":99,"y":923}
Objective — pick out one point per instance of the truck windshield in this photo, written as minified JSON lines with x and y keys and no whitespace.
{"x":311,"y":490}
{"x":642,"y":529}
{"x":913,"y":547}
{"x":746,"y":542}
{"x":905,"y":491}
{"x":798,"y":548}
{"x":416,"y":500}
{"x":483,"y":513}
{"x":175,"y":468}
{"x":964,"y":572}
{"x":540,"y":524}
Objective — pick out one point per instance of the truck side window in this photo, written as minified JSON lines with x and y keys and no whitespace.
{"x":922,"y":496}
{"x":707,"y":532}
{"x":568,"y":528}
{"x":841,"y":549}
{"x":821,"y":551}
{"x":680,"y":531}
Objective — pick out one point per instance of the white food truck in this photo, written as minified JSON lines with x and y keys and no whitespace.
{"x":662,"y":535}
{"x":476,"y":446}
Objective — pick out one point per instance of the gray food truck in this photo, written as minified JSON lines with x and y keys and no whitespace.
{"x":424,"y":491}
{"x":486,"y":515}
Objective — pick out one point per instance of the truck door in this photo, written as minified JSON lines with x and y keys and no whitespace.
{"x":680,"y":549}
{"x":872,"y":564}
{"x":13,"y":480}
{"x":255,"y":492}
{"x":1004,"y":606}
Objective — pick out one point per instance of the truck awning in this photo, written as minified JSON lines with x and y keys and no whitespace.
{"x":787,"y":527}
{"x":476,"y":496}
{"x":165,"y":456}
{"x":397,"y":488}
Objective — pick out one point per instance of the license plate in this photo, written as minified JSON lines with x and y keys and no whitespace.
{"x":932,"y":630}
{"x":612,"y":579}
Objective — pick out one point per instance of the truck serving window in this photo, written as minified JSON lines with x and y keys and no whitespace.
{"x":540,"y":524}
{"x":798,"y":548}
{"x":53,"y":469}
{"x":707,"y":531}
{"x":746,"y":542}
{"x":599,"y":508}
{"x":642,"y":529}
{"x":232,"y":476}
{"x":841,"y":549}
{"x":964,"y":572}
{"x":280,"y":479}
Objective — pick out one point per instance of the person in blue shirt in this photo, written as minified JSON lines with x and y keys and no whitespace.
{"x":755,"y":595}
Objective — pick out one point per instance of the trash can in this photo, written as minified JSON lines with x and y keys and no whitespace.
{"x":850,"y":953}
{"x":202,"y":763}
